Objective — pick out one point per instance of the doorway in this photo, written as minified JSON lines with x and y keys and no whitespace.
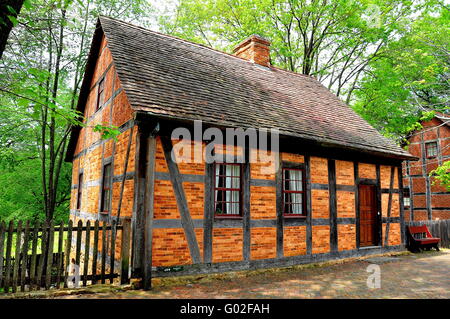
{"x":368,"y":218}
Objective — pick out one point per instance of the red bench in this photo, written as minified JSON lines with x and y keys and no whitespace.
{"x":420,"y":238}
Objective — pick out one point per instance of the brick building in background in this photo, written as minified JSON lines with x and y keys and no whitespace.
{"x":425,"y":198}
{"x":333,"y":189}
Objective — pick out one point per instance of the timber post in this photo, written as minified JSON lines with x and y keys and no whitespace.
{"x":148,"y":204}
{"x":125,"y":252}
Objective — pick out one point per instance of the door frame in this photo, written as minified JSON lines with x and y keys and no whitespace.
{"x":371,"y":182}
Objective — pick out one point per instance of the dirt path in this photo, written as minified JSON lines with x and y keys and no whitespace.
{"x":425,"y":275}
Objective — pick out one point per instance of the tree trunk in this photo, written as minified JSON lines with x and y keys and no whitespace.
{"x":6,"y":24}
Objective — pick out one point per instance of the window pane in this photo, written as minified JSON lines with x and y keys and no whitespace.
{"x":80,"y":190}
{"x":235,"y":196}
{"x":293,"y":180}
{"x":227,"y":189}
{"x":236,"y":170}
{"x":407,"y":201}
{"x":287,"y":208}
{"x":287,"y":197}
{"x":235,"y":182}
{"x":100,"y":93}
{"x":216,"y":182}
{"x":296,"y":209}
{"x":297,"y":198}
{"x":107,"y":175}
{"x":293,"y":191}
{"x":431,"y":149}
{"x":106,"y":199}
{"x":106,"y":191}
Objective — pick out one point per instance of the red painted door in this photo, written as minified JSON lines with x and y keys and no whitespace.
{"x":368,"y":220}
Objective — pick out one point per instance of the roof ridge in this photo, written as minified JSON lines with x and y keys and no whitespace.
{"x":296,"y":73}
{"x":205,"y":46}
{"x":175,"y":38}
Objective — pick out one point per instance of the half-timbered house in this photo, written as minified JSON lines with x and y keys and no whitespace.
{"x":332,"y":188}
{"x":425,"y":197}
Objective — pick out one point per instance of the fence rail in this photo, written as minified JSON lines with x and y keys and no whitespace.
{"x":47,"y":256}
{"x":437,"y":228}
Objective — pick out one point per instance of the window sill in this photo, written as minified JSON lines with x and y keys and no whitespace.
{"x":294,"y":216}
{"x":227,"y":217}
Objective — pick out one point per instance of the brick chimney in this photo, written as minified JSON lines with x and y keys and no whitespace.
{"x":255,"y":49}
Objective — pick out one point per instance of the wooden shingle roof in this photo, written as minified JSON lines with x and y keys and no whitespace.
{"x":171,"y":78}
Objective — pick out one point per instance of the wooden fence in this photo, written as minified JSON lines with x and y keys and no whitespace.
{"x":437,"y":228}
{"x":38,"y":256}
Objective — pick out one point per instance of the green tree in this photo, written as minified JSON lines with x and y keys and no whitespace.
{"x":40,"y":76}
{"x":410,"y":79}
{"x":9,"y":10}
{"x":442,"y":175}
{"x":333,"y":41}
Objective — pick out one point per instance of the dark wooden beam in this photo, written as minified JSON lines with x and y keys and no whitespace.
{"x":411,"y":192}
{"x":142,"y":219}
{"x":279,"y":203}
{"x":124,"y":175}
{"x":389,"y":208}
{"x":308,"y":205}
{"x":246,"y":225}
{"x":357,"y":213}
{"x":147,"y":259}
{"x":177,"y":184}
{"x":427,"y":178}
{"x":137,"y":221}
{"x":332,"y":205}
{"x":400,"y":199}
{"x":125,"y":252}
{"x":380,"y":221}
{"x":208,"y":213}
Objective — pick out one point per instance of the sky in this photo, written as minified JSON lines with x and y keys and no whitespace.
{"x":162,"y":7}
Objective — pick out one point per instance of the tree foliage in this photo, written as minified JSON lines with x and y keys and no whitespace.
{"x":40,"y":75}
{"x":442,"y":175}
{"x":411,"y":77}
{"x":333,"y":41}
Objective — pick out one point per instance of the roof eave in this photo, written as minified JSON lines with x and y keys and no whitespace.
{"x":144,"y":116}
{"x":85,"y":87}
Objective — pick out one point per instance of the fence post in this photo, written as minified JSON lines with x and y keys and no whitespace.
{"x":60,"y":255}
{"x":24,"y":256}
{"x":33,"y":256}
{"x":103,"y":270}
{"x":17,"y":256}
{"x":113,"y":250}
{"x":48,"y":269}
{"x":94,"y":253}
{"x":67,"y":255}
{"x":125,"y":252}
{"x":86,"y":252}
{"x":44,"y":244}
{"x":2,"y":242}
{"x":9,"y":239}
